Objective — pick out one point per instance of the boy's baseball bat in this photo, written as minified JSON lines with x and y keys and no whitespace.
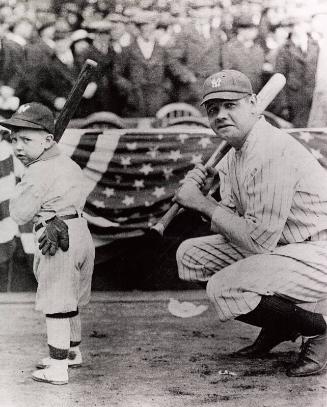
{"x":264,"y":98}
{"x":74,"y":98}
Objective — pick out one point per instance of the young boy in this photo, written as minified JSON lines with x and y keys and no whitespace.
{"x":51,"y":194}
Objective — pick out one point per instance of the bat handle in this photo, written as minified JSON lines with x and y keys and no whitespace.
{"x":74,"y":97}
{"x":219,"y":153}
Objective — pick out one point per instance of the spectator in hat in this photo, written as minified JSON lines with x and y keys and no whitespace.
{"x":243,"y":53}
{"x":197,"y":52}
{"x":43,"y":47}
{"x":143,"y":70}
{"x":297,"y":60}
{"x":22,"y":32}
{"x":95,"y":94}
{"x":52,"y":78}
{"x":12,"y":62}
{"x":72,"y":14}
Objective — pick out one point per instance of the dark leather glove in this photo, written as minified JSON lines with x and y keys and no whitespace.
{"x":54,"y":236}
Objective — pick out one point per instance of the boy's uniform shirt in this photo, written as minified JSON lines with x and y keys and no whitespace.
{"x":52,"y":185}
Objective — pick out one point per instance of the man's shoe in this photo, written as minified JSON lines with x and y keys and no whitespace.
{"x":56,"y":373}
{"x":74,"y":360}
{"x":265,"y":342}
{"x":312,"y":359}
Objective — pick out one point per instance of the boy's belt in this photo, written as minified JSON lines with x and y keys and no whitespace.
{"x":64,"y":217}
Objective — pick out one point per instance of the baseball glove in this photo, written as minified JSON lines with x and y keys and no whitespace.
{"x":54,"y":236}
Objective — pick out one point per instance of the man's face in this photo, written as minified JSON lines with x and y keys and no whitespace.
{"x":232,"y":120}
{"x":147,"y":31}
{"x":29,"y":144}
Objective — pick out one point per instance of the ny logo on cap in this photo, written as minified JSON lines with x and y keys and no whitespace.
{"x":215,"y":82}
{"x":23,"y":108}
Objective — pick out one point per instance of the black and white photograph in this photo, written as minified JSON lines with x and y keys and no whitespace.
{"x":163,"y":203}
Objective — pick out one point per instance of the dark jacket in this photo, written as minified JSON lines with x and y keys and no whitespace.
{"x":12,"y":64}
{"x":194,"y":55}
{"x":299,"y":69}
{"x":143,"y":81}
{"x":246,"y":60}
{"x":48,"y":77}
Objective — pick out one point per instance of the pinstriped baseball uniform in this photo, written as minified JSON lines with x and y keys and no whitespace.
{"x":274,"y":209}
{"x":54,"y":185}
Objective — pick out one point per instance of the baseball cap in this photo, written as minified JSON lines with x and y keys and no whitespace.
{"x":33,"y":116}
{"x":226,"y":84}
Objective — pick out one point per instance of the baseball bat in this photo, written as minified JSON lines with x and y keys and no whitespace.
{"x":264,"y":98}
{"x":74,"y":98}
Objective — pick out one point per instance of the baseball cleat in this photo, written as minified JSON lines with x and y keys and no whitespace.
{"x":75,"y":360}
{"x":51,"y":375}
{"x":312,"y":359}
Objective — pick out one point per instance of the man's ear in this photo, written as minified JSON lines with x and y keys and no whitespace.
{"x":49,"y":140}
{"x":253,"y":99}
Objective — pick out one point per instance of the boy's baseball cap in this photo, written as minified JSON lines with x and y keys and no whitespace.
{"x":226,"y":84}
{"x":33,"y":116}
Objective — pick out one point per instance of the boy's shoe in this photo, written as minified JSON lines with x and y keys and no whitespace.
{"x":74,"y":360}
{"x":55,"y":373}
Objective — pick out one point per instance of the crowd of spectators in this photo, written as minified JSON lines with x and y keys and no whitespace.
{"x":154,"y":52}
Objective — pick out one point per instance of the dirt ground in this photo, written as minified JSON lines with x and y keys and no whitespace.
{"x":137,"y":354}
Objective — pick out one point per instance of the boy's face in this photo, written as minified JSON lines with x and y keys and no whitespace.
{"x":29,"y":144}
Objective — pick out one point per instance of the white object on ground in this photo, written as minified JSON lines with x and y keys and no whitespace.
{"x":185,"y":309}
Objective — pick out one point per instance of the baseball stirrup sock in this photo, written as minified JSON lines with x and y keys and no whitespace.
{"x":58,"y":332}
{"x":75,"y":331}
{"x":277,"y":311}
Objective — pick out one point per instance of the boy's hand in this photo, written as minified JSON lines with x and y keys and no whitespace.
{"x":54,"y":236}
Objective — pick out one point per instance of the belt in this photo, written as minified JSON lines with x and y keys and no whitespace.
{"x":64,"y":217}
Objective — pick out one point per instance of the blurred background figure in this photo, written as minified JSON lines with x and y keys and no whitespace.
{"x":297,"y":60}
{"x":81,"y":45}
{"x":22,"y":31}
{"x":318,"y":112}
{"x":244,"y":53}
{"x":71,"y":13}
{"x":197,"y":52}
{"x":51,"y":78}
{"x":12,"y":62}
{"x":143,"y":69}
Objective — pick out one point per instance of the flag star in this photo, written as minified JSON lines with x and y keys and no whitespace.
{"x":128,"y":200}
{"x":125,"y":161}
{"x":168,"y":172}
{"x":108,"y":192}
{"x":204,"y":142}
{"x":138,"y":183}
{"x":160,"y":136}
{"x":196,"y":158}
{"x":153,"y":151}
{"x":159,"y":191}
{"x":131,"y":146}
{"x":146,"y":169}
{"x":147,"y":203}
{"x":306,"y":136}
{"x":175,"y":155}
{"x":183,"y":137}
{"x":316,"y":153}
{"x":99,"y":204}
